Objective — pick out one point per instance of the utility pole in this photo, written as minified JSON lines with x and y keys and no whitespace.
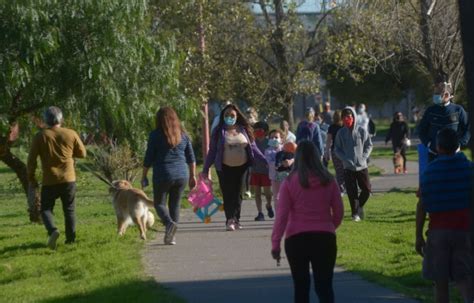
{"x":205,"y":103}
{"x":466,"y":13}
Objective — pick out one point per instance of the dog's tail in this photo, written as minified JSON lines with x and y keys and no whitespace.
{"x":143,"y":197}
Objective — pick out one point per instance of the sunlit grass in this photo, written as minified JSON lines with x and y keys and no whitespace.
{"x":100,"y":267}
{"x":382,"y":248}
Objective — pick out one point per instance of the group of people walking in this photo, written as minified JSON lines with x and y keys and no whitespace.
{"x":292,"y":168}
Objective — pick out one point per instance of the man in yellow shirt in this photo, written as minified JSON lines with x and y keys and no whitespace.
{"x":57,"y":147}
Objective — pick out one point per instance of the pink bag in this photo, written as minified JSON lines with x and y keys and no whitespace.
{"x":201,"y":195}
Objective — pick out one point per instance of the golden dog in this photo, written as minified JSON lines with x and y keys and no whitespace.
{"x":131,"y":204}
{"x":397,"y":163}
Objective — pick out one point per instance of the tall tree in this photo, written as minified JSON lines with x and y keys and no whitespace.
{"x":102,"y":61}
{"x":425,"y":32}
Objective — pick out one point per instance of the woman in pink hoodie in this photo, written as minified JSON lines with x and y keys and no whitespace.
{"x":308,"y":212}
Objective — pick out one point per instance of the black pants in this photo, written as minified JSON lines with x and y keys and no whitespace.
{"x":353,"y":181}
{"x":67,"y":193}
{"x":318,"y":249}
{"x":174,"y":190}
{"x":230,"y":181}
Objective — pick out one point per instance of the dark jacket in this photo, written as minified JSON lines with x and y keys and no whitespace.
{"x":310,"y":131}
{"x":437,"y":117}
{"x":397,"y":133}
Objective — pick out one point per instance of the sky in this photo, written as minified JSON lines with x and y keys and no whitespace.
{"x":305,"y":6}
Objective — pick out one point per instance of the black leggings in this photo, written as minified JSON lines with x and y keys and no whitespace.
{"x":230,"y":181}
{"x":318,"y":249}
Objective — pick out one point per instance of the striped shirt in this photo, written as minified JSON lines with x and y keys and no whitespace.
{"x":446,"y":183}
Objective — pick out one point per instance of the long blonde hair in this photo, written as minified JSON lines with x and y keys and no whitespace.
{"x":168,"y":122}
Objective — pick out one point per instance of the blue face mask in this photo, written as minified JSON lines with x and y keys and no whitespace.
{"x":229,"y":121}
{"x":437,"y":99}
{"x":274,"y":142}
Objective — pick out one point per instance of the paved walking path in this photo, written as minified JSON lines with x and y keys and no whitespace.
{"x":389,"y":181}
{"x":213,"y":266}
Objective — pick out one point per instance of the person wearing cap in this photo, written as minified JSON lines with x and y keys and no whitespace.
{"x":57,"y":147}
{"x":443,"y":113}
{"x":353,"y":147}
{"x":309,"y":130}
{"x":445,"y":194}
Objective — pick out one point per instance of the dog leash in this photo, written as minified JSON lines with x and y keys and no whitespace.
{"x":95,"y":174}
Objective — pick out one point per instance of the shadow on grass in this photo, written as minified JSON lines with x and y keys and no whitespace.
{"x":411,"y":284}
{"x":134,"y":291}
{"x":402,"y":190}
{"x":22,"y":247}
{"x":395,"y":190}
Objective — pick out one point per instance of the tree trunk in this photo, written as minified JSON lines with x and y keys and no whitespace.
{"x":427,"y":39}
{"x":290,"y":117}
{"x":32,"y":192}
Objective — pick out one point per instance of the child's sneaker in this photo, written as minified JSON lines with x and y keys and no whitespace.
{"x":270,"y":212}
{"x":248,"y":194}
{"x":260,"y":217}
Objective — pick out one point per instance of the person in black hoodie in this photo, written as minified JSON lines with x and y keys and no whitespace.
{"x":398,"y":133}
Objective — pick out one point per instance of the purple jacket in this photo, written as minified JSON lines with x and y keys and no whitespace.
{"x":216,"y":150}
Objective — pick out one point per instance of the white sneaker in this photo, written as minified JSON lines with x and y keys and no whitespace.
{"x":248,"y":194}
{"x":356,"y":218}
{"x":170,"y":231}
{"x":238,"y":225}
{"x":230,"y":225}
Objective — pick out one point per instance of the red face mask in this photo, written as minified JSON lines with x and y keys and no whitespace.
{"x":259,"y":133}
{"x":348,"y":121}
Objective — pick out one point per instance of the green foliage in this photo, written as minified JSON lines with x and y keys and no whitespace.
{"x":100,"y":267}
{"x":381,"y":86}
{"x":103,"y":62}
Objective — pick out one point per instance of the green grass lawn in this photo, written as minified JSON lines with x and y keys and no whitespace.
{"x":100,"y":267}
{"x":382,"y":248}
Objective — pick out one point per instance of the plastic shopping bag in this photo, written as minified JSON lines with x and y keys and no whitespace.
{"x":201,"y":195}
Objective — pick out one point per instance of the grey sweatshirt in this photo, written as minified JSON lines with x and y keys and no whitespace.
{"x":353,"y":146}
